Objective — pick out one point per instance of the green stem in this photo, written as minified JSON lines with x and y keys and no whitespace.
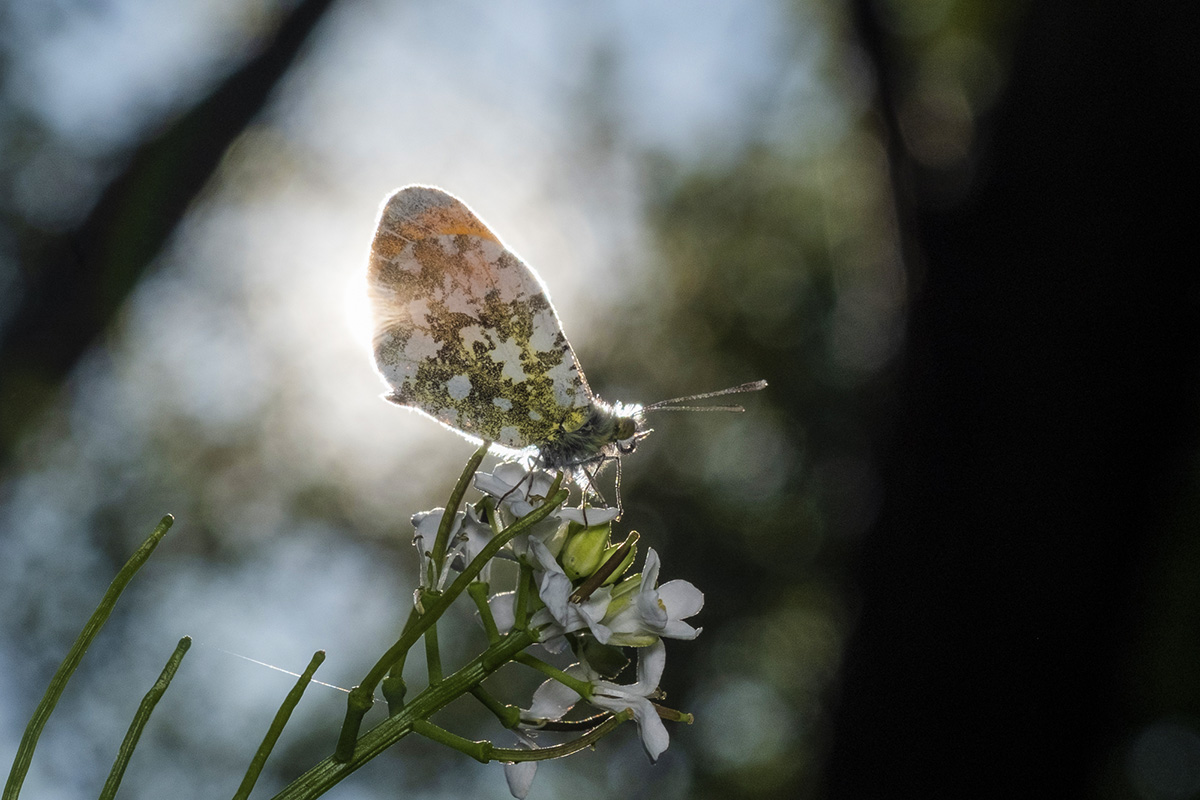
{"x":456,"y":496}
{"x":580,"y":687}
{"x":484,"y":751}
{"x":479,"y":594}
{"x":566,"y":748}
{"x":433,"y":656}
{"x":525,"y":592}
{"x":673,"y":715}
{"x":487,"y":507}
{"x":480,"y":751}
{"x":362,"y":696}
{"x":394,"y":688}
{"x":509,"y":715}
{"x":585,"y":724}
{"x":281,"y":719}
{"x":20,"y":767}
{"x":394,"y":691}
{"x":329,"y":772}
{"x":125,"y":752}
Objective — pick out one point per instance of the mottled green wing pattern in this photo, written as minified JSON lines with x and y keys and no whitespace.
{"x":464,"y":330}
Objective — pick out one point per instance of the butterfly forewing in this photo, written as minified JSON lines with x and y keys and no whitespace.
{"x":464,"y":330}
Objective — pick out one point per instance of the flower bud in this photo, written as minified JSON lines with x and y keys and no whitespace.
{"x":584,"y":550}
{"x":623,"y":594}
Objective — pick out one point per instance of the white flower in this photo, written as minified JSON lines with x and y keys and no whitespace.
{"x":473,"y":535}
{"x":518,"y":492}
{"x":616,"y":698}
{"x":426,"y":524}
{"x":520,"y":774}
{"x":654,"y":611}
{"x":552,"y":699}
{"x":560,"y":615}
{"x":468,"y":535}
{"x":589,"y":517}
{"x":513,"y":486}
{"x":504,"y":611}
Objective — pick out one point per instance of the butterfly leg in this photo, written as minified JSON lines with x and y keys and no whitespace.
{"x":589,"y":479}
{"x":527,"y":477}
{"x":620,"y":506}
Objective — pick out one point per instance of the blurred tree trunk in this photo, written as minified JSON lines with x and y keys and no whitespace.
{"x":1047,"y":413}
{"x":74,"y":284}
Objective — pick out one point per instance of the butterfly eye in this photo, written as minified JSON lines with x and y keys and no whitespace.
{"x":626,"y":428}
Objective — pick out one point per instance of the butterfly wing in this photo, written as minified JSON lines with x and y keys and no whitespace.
{"x":464,"y":330}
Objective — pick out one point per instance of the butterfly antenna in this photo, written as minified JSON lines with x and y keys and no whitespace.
{"x":671,"y":405}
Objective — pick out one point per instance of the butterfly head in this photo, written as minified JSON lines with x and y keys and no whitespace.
{"x":629,"y":427}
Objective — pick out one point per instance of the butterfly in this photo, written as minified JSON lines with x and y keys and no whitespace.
{"x":464,"y":332}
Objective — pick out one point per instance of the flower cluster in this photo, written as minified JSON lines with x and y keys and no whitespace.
{"x":575,"y":592}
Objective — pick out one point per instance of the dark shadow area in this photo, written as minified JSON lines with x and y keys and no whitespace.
{"x":1044,"y":429}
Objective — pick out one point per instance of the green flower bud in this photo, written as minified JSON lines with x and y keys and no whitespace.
{"x":584,"y":550}
{"x":623,"y":594}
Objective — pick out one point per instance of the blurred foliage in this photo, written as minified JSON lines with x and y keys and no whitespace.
{"x":775,"y":258}
{"x":775,"y":276}
{"x":778,"y":262}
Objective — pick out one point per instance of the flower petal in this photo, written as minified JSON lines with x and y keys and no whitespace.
{"x":426,"y":524}
{"x":615,"y":697}
{"x":502,"y":480}
{"x":554,"y":587}
{"x":655,"y":738}
{"x":592,"y":610}
{"x":503,"y":610}
{"x":651,"y":609}
{"x":519,"y":774}
{"x":520,"y":777}
{"x":551,"y":700}
{"x":591,"y":517}
{"x":650,"y":569}
{"x":652,"y":661}
{"x":681,"y":598}
{"x":678,"y":629}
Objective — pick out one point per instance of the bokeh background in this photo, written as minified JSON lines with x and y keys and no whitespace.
{"x":952,"y":551}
